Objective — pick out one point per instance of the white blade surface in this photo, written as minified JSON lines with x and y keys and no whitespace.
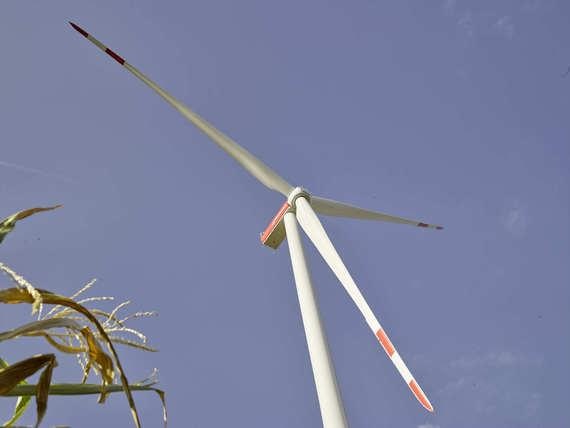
{"x":252,"y":164}
{"x":339,"y":209}
{"x":317,"y":234}
{"x":330,"y":402}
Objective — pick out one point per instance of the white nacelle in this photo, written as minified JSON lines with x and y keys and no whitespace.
{"x":274,"y":233}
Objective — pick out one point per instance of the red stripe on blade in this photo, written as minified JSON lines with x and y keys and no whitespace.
{"x":385,"y":342}
{"x":420,"y":395}
{"x":423,"y":225}
{"x":78,"y":29}
{"x":115,"y":56}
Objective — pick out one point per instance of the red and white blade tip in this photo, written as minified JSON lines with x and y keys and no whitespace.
{"x":401,"y":366}
{"x":420,"y":395}
{"x":101,"y":46}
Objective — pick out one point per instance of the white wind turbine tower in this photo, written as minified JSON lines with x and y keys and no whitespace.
{"x":300,"y":207}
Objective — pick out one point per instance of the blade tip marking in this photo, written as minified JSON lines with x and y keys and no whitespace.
{"x":78,"y":29}
{"x":385,"y":342}
{"x":115,"y":56}
{"x":420,"y":396}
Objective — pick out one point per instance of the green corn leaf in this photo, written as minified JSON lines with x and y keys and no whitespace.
{"x":89,"y":389}
{"x":21,"y":406}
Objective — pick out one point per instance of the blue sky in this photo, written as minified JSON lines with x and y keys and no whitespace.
{"x":452,"y":112}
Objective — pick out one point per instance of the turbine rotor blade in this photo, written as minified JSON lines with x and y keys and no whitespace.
{"x":317,"y":234}
{"x":330,"y":401}
{"x":248,"y":161}
{"x":340,"y":209}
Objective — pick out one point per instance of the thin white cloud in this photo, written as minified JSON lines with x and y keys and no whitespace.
{"x":495,"y":359}
{"x":428,"y":426}
{"x":449,"y":6}
{"x":480,"y":22}
{"x":516,"y":220}
{"x":505,"y":27}
{"x":35,"y":171}
{"x":488,"y":383}
{"x":533,"y":405}
{"x":465,"y":22}
{"x":530,"y":6}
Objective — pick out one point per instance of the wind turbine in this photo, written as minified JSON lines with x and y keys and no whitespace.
{"x":300,"y":208}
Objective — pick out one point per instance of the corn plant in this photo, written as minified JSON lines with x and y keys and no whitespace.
{"x":68,"y":327}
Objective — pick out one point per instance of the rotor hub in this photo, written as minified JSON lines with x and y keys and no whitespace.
{"x":297,"y":192}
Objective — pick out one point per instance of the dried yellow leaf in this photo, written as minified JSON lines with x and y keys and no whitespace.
{"x":7,"y":225}
{"x":12,"y":375}
{"x":21,"y":295}
{"x":99,"y":359}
